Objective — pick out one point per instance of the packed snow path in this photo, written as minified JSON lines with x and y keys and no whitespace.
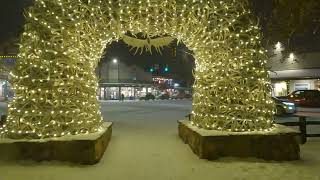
{"x":145,"y":146}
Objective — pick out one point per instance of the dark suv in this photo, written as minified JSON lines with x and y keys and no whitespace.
{"x":310,"y":98}
{"x":148,"y":96}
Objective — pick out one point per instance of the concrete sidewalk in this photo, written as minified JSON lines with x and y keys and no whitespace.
{"x":307,"y":109}
{"x":308,"y":114}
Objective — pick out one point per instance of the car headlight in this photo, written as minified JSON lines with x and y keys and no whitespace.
{"x":288,"y":103}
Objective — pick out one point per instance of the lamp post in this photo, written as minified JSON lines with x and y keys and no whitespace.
{"x":115,"y":61}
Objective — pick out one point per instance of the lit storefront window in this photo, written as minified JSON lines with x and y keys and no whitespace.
{"x":280,"y":89}
{"x":129,"y":93}
{"x":159,"y":80}
{"x":301,"y":86}
{"x":5,"y":90}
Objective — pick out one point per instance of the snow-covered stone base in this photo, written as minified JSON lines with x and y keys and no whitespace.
{"x":83,"y":149}
{"x":280,"y":144}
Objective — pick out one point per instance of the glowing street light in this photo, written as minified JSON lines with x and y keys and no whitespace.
{"x":278,"y":46}
{"x":291,"y":56}
{"x":115,"y":61}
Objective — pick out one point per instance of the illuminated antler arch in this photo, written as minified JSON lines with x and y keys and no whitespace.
{"x":55,"y":83}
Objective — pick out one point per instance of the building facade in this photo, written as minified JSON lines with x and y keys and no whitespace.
{"x":294,"y":72}
{"x":118,"y":79}
{"x":8,"y":53}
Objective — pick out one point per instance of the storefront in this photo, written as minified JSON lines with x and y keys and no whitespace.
{"x":294,"y":72}
{"x":5,"y":90}
{"x":280,"y":88}
{"x":284,"y":87}
{"x":109,"y":91}
{"x":287,"y":81}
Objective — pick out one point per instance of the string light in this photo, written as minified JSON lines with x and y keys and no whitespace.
{"x":55,"y":82}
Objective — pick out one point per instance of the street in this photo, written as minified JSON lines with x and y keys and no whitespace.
{"x":145,"y":145}
{"x":154,"y":116}
{"x":159,"y":116}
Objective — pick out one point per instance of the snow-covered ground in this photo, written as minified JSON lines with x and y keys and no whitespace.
{"x":304,"y":109}
{"x":145,"y":146}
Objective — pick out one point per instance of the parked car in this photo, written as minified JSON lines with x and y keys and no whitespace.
{"x":284,"y":107}
{"x":163,"y":96}
{"x":148,"y":97}
{"x":308,"y":98}
{"x":178,"y":96}
{"x":3,"y":119}
{"x":188,"y":96}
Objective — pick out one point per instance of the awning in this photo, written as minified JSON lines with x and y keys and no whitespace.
{"x":124,"y":85}
{"x":296,"y":74}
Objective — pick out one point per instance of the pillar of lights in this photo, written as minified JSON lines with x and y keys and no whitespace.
{"x":55,"y":83}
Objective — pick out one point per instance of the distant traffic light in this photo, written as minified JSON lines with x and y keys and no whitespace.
{"x":166,"y":69}
{"x":151,"y":70}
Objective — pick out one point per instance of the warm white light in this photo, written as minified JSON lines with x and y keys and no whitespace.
{"x":278,"y":46}
{"x":280,"y":88}
{"x":208,"y":33}
{"x":291,"y":56}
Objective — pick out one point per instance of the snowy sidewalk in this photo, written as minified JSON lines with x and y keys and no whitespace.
{"x":145,"y":146}
{"x":305,"y":109}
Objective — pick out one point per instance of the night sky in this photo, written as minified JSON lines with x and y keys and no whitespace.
{"x":11,"y":25}
{"x":180,"y":66}
{"x":12,"y":20}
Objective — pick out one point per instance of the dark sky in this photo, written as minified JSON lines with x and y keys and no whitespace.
{"x":180,"y":66}
{"x":11,"y":25}
{"x":11,"y":17}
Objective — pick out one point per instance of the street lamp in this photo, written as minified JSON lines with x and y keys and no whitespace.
{"x":278,"y":46}
{"x":291,"y":56}
{"x":115,"y":61}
